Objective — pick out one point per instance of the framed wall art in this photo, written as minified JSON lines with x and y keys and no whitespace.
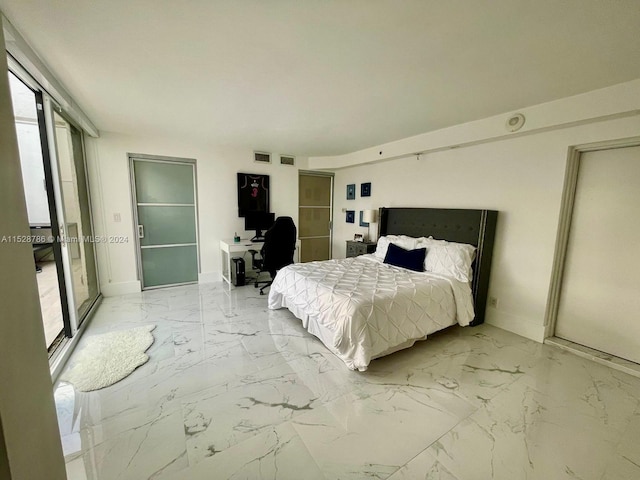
{"x":362,"y":222}
{"x":253,"y":193}
{"x":351,"y":191}
{"x":351,"y":216}
{"x":365,"y":189}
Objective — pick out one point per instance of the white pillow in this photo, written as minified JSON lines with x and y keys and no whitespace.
{"x":448,"y":258}
{"x":425,"y":241}
{"x":408,"y":243}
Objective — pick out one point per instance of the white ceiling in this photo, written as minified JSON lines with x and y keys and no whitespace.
{"x":323,"y":77}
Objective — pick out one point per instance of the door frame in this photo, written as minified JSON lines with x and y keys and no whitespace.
{"x":564,"y":223}
{"x":316,"y":173}
{"x":134,"y":208}
{"x":79,"y":320}
{"x":52,"y":197}
{"x":45,"y":106}
{"x":44,"y":116}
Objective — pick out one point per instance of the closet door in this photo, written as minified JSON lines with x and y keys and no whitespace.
{"x":600,"y":296}
{"x":314,"y":216}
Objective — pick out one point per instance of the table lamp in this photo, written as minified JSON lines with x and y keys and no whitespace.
{"x":369,"y":217}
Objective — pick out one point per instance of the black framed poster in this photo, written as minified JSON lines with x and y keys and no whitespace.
{"x":351,"y":216}
{"x":351,"y":191}
{"x":253,"y":193}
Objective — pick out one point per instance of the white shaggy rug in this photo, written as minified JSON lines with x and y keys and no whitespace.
{"x":108,"y":358}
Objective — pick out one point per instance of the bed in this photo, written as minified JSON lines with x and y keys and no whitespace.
{"x":362,"y":308}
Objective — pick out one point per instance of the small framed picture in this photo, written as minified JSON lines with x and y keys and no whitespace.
{"x":351,"y":216}
{"x":351,"y":191}
{"x":358,"y":237}
{"x":365,"y":189}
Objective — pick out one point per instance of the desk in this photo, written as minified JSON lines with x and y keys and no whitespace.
{"x":227,"y":250}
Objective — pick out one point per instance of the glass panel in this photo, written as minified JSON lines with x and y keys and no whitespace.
{"x":77,"y":217}
{"x":314,"y":191}
{"x":314,"y":222}
{"x":312,"y":249}
{"x":169,"y":265}
{"x":167,"y":225}
{"x":169,"y":184}
{"x":159,"y":182}
{"x":35,"y":190}
{"x":87,"y":255}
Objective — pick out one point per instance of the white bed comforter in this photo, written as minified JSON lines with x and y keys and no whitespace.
{"x":362,"y":308}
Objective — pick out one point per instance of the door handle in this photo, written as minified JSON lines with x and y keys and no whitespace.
{"x":140,"y":231}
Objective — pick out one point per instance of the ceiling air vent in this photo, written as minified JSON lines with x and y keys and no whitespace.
{"x":287,"y":160}
{"x":262,"y":157}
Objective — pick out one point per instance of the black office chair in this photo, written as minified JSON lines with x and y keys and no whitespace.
{"x":277,"y":251}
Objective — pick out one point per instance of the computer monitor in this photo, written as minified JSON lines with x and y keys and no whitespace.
{"x":258,"y":221}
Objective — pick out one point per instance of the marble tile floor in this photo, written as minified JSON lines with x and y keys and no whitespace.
{"x":235,"y":391}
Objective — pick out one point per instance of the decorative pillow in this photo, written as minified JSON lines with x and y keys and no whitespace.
{"x":449,"y":258}
{"x":408,"y":243}
{"x":410,"y":259}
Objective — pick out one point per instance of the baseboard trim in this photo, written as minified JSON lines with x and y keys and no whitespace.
{"x":529,"y":330}
{"x":121,"y":288}
{"x":209,"y":277}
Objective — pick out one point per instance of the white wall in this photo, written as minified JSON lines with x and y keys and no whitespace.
{"x":522,"y":177}
{"x":31,"y":447}
{"x":475,"y":165}
{"x":108,"y":167}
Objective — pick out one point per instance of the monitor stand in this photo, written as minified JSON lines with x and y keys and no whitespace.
{"x":259,"y":237}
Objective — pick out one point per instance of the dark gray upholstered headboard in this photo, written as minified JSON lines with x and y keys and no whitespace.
{"x":476,"y":227}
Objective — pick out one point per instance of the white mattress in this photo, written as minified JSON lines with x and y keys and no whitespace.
{"x":362,"y":308}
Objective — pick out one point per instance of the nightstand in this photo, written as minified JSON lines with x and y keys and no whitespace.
{"x":359,"y":248}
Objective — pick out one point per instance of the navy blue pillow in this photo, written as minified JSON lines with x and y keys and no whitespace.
{"x":410,"y":259}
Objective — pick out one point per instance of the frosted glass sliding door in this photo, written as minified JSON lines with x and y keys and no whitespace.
{"x":165,"y":201}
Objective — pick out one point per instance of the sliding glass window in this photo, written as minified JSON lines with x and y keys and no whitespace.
{"x":78,"y":232}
